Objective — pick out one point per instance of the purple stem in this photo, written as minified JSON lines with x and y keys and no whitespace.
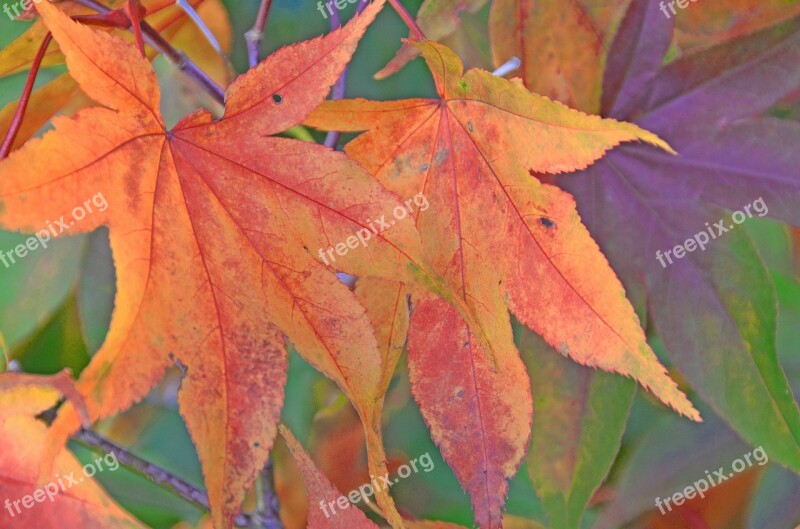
{"x":332,"y":139}
{"x":256,"y":33}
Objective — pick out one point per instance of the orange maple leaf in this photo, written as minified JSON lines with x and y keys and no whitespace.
{"x":213,"y":227}
{"x":69,"y":498}
{"x":724,"y":20}
{"x":501,"y":238}
{"x":562,"y":45}
{"x":63,"y":93}
{"x":169,"y":20}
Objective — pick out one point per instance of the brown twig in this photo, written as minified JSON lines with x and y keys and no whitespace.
{"x":155,"y":473}
{"x":256,"y":33}
{"x":19,"y":114}
{"x":266,"y":518}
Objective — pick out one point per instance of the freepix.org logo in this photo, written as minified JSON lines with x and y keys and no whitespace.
{"x":19,"y":7}
{"x":53,"y":230}
{"x":61,"y":484}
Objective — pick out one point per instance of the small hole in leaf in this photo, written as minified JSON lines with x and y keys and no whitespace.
{"x":547,"y":223}
{"x":277,"y":99}
{"x":469,"y":126}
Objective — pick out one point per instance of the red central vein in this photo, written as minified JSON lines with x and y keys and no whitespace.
{"x":446,"y":137}
{"x":226,"y":430}
{"x":266,"y":261}
{"x":309,"y":199}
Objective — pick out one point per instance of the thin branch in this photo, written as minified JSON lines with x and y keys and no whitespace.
{"x":154,"y":39}
{"x":332,"y":138}
{"x":19,"y":114}
{"x":144,"y":468}
{"x":192,"y":13}
{"x":507,"y":67}
{"x":256,"y":33}
{"x":155,"y":473}
{"x":408,"y":19}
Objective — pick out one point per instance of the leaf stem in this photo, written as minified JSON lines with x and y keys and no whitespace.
{"x":192,"y":13}
{"x":132,"y":8}
{"x":154,"y":39}
{"x":19,"y":114}
{"x":408,"y":19}
{"x":256,"y":33}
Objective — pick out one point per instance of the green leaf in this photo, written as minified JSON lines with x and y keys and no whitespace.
{"x":579,"y":419}
{"x":777,"y":503}
{"x":33,"y":287}
{"x":96,"y":289}
{"x":56,"y":345}
{"x":670,"y":456}
{"x":3,"y":354}
{"x":724,"y":343}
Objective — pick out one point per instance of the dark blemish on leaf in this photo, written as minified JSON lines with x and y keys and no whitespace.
{"x":469,"y":126}
{"x":426,"y":166}
{"x":547,"y":223}
{"x":457,"y":394}
{"x":440,"y":156}
{"x":277,"y":99}
{"x":256,"y":444}
{"x":208,"y":133}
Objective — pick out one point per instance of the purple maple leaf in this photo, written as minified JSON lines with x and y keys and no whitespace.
{"x":714,"y":308}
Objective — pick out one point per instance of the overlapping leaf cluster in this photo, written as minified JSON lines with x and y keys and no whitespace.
{"x":214,"y":226}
